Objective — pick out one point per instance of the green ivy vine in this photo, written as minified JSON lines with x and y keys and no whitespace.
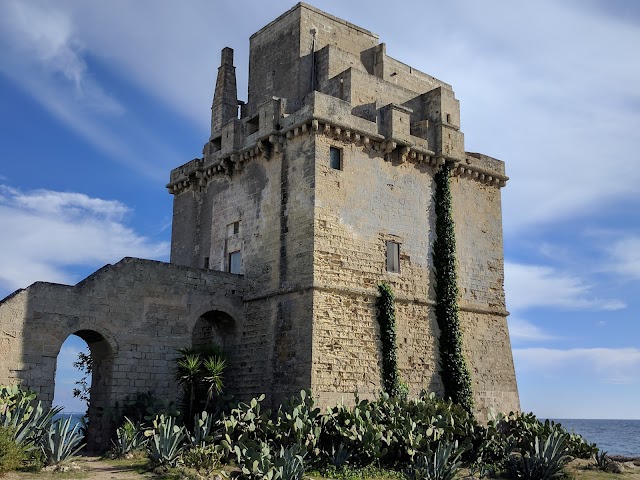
{"x":387,"y":319}
{"x":453,"y":368}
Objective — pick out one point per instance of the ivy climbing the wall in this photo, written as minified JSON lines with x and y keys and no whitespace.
{"x":387,"y":320}
{"x":453,"y":369}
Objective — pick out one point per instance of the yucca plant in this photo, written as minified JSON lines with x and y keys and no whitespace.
{"x":61,"y":442}
{"x":443,"y":464}
{"x":165,"y":441}
{"x":128,"y":438}
{"x":544,"y":460}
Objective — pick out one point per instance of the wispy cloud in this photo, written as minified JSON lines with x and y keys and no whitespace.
{"x":522,"y":330}
{"x":529,"y":286}
{"x":607,"y":365}
{"x":624,"y":256}
{"x":42,"y":53}
{"x":49,"y":232}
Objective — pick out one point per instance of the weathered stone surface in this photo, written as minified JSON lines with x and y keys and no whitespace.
{"x":311,"y":239}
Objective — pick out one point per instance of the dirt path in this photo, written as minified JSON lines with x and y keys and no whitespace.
{"x":90,"y":467}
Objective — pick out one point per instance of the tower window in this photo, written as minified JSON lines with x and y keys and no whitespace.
{"x":235,"y":261}
{"x":206,"y":262}
{"x":335,"y":158}
{"x":236,"y":227}
{"x":393,"y":257}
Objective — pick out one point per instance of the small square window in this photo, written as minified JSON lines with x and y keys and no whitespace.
{"x":235,"y":262}
{"x":393,"y":257}
{"x":335,"y":158}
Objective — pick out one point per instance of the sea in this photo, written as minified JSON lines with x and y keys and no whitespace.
{"x":617,"y":437}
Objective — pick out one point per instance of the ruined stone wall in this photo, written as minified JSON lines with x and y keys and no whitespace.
{"x":133,"y":315}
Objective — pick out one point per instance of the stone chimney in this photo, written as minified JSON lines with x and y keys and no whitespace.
{"x":225,"y":97}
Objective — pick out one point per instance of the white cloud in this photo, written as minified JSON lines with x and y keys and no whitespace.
{"x":523,"y":330}
{"x":47,"y":232}
{"x":607,"y":365}
{"x":564,"y":123}
{"x":624,"y":255}
{"x":43,"y":54}
{"x":528,"y":286}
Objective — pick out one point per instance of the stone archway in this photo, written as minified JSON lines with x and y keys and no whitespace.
{"x":102,"y":355}
{"x":216,"y":326}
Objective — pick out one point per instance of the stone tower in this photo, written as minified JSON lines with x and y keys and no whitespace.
{"x":320,"y":189}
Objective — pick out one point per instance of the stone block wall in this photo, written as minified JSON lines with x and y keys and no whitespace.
{"x":133,"y":315}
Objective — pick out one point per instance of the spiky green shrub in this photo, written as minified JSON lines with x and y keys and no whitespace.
{"x":544,"y":459}
{"x":165,"y":441}
{"x":442,"y":464}
{"x":20,"y":411}
{"x":129,"y":438}
{"x":61,"y":442}
{"x":11,"y":454}
{"x":290,"y":463}
{"x":453,"y":368}
{"x":601,"y":459}
{"x":518,"y":431}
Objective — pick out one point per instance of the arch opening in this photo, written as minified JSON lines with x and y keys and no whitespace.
{"x":95,"y":394}
{"x":216,"y":327}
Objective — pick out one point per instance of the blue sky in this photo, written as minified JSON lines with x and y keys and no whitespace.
{"x":99,"y":100}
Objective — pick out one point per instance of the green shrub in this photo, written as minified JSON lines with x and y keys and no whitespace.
{"x":11,"y":454}
{"x":203,"y":458}
{"x":298,"y":422}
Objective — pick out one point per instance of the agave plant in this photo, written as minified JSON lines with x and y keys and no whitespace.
{"x":443,"y":464}
{"x":61,"y":441}
{"x":128,"y":438}
{"x":290,"y":463}
{"x":601,"y":458}
{"x":165,"y":441}
{"x":29,"y":422}
{"x":544,"y":461}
